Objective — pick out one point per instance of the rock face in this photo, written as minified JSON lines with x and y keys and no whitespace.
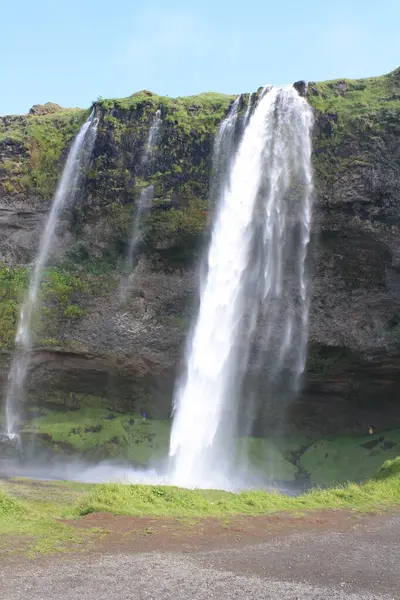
{"x":44,"y":109}
{"x":130,"y":354}
{"x":301,"y":87}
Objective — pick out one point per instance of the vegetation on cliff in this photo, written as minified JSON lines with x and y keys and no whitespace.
{"x":357,"y":165}
{"x":358,"y":126}
{"x":64,"y":296}
{"x":33,"y":149}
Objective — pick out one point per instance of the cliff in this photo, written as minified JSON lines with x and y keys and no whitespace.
{"x":127,"y":355}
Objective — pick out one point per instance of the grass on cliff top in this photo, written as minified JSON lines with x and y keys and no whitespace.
{"x":43,"y":139}
{"x":356,"y":96}
{"x":199,"y":113}
{"x":20,"y":127}
{"x":207,"y":100}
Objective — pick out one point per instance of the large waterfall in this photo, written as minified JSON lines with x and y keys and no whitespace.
{"x":78,"y":157}
{"x":255,"y":292}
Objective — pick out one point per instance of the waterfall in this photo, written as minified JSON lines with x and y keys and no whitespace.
{"x":224,"y":148}
{"x":255,"y":288}
{"x":248,"y":109}
{"x":152,"y":137}
{"x":142,"y":208}
{"x":78,"y":157}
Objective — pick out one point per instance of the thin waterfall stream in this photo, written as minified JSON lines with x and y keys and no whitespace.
{"x":142,"y":209}
{"x":78,"y":157}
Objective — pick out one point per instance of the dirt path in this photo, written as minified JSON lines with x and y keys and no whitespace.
{"x":320,"y":556}
{"x":132,"y":534}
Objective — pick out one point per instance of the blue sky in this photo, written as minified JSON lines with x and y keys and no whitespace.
{"x":73,"y":51}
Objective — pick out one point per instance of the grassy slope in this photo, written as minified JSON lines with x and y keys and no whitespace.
{"x":350,"y":97}
{"x":29,"y":521}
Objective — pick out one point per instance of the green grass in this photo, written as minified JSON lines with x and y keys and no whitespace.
{"x":200,"y":112}
{"x":33,"y":528}
{"x":43,"y":140}
{"x":30,"y":511}
{"x":357,"y":96}
{"x":160,"y":501}
{"x":98,"y":433}
{"x":349,"y":458}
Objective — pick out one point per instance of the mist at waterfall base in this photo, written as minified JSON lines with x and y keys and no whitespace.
{"x":253,"y":312}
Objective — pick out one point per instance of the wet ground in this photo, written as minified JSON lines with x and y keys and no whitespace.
{"x":318,"y":556}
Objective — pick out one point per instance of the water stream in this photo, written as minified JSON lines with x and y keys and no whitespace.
{"x":141,"y":210}
{"x":256,"y":276}
{"x":78,"y":157}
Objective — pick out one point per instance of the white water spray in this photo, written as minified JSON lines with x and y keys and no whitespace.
{"x":248,"y":109}
{"x":256,"y":267}
{"x":152,"y":137}
{"x":78,"y":157}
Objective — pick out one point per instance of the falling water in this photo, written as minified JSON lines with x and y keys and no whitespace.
{"x":78,"y":157}
{"x":224,"y":149}
{"x":142,"y":209}
{"x":248,"y":109}
{"x":152,"y":137}
{"x":256,"y":272}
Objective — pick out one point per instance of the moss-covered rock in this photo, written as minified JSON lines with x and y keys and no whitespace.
{"x":349,"y":459}
{"x":96,"y":433}
{"x":91,"y":343}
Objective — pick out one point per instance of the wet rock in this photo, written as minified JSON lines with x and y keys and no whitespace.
{"x":301,"y":87}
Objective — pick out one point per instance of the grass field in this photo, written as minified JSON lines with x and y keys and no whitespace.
{"x":34,"y":515}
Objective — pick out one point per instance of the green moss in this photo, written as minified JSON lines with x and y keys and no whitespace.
{"x":390,"y":468}
{"x":44,"y":140}
{"x":63,"y":296}
{"x":73,"y":311}
{"x":361,"y":97}
{"x":357,"y":124}
{"x":98,"y":433}
{"x":349,"y":459}
{"x":13,"y":282}
{"x":177,"y":234}
{"x":265,"y":457}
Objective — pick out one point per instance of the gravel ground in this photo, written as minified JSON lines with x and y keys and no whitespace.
{"x":362,"y":563}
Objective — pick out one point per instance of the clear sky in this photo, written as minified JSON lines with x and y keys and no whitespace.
{"x":72,"y":51}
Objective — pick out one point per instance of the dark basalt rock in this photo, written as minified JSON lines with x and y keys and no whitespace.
{"x":131,"y":354}
{"x":301,"y":87}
